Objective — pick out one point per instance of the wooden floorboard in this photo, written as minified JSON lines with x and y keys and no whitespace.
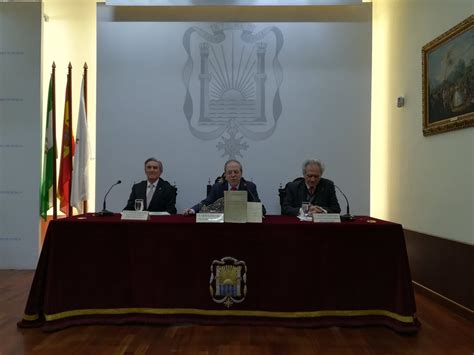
{"x":442,"y":332}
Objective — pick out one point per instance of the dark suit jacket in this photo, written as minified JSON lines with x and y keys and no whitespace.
{"x":217,"y":192}
{"x":163,"y":200}
{"x":297,"y":192}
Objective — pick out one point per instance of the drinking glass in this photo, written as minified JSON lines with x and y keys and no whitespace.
{"x":305,"y":208}
{"x":139,"y":204}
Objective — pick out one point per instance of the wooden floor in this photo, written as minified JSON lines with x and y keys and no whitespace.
{"x":442,"y":332}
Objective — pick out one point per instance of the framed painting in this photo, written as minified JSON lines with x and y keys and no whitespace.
{"x":448,"y":80}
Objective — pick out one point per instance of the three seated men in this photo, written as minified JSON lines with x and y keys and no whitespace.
{"x":159,"y":196}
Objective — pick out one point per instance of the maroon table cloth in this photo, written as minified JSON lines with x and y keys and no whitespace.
{"x":107,"y":271}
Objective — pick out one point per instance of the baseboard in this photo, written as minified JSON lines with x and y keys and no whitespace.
{"x":446,"y":302}
{"x":442,"y":268}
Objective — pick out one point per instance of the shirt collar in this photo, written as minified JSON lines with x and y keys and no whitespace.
{"x":150,"y":184}
{"x":229,"y":186}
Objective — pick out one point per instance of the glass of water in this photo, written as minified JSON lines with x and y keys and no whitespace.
{"x":305,"y":208}
{"x":139,"y":204}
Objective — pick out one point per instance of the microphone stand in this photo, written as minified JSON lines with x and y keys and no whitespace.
{"x":105,"y":212}
{"x":348,"y":216}
{"x":264,"y":211}
{"x":248,"y":190}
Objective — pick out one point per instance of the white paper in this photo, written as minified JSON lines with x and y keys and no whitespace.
{"x":235,"y":206}
{"x":254,"y":212}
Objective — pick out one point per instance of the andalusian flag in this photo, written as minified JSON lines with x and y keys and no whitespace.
{"x":47,"y":183}
{"x":80,"y":173}
{"x":67,"y":152}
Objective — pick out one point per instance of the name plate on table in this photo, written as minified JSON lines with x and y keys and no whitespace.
{"x":135,"y":215}
{"x":159,"y":213}
{"x":326,"y":218}
{"x":209,"y":218}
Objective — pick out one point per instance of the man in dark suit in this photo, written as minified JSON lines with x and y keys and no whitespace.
{"x":233,"y":182}
{"x":314,"y":189}
{"x":157,"y":194}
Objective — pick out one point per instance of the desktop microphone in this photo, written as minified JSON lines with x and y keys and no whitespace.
{"x":250,"y":192}
{"x":244,"y":183}
{"x":104,"y":211}
{"x":348,"y":216}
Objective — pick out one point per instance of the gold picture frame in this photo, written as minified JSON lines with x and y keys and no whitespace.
{"x":448,"y":80}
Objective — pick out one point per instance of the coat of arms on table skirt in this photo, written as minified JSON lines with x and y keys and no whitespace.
{"x":228,"y":283}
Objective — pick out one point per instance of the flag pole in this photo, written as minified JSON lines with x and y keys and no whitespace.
{"x":85,"y":85}
{"x":85,"y":103}
{"x":55,"y":151}
{"x":69,"y":93}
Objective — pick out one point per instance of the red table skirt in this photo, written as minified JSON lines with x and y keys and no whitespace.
{"x":169,"y":270}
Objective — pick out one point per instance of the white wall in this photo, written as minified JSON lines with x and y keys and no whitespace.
{"x":28,"y":47}
{"x":20,"y":143}
{"x":425,"y":183}
{"x":325,"y":96}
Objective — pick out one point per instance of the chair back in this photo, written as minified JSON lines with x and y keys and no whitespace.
{"x":282,"y":191}
{"x":175,"y":189}
{"x":220,"y":179}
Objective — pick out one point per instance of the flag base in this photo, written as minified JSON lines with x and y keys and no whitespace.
{"x":104,"y":213}
{"x":347,"y":217}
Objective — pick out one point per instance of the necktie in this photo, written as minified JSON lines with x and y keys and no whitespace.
{"x":233,"y":188}
{"x":149,"y":195}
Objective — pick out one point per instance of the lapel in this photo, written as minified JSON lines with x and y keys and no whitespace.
{"x":142,"y":189}
{"x":243,"y":186}
{"x":318,"y":193}
{"x":304,"y":193}
{"x":303,"y":190}
{"x":320,"y":187}
{"x":225,"y":187}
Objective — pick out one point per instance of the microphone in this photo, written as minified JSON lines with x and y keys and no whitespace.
{"x":250,"y":192}
{"x":348,"y":216}
{"x":104,"y":211}
{"x":254,"y":199}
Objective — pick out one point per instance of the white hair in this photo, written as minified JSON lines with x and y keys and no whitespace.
{"x":313,"y":162}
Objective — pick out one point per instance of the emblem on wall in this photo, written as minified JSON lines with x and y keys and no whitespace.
{"x":228,"y":282}
{"x":229,"y":88}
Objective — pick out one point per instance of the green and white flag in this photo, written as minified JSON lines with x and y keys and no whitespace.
{"x":47,"y":183}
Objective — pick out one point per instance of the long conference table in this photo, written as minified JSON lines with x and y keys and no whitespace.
{"x":170,"y":269}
